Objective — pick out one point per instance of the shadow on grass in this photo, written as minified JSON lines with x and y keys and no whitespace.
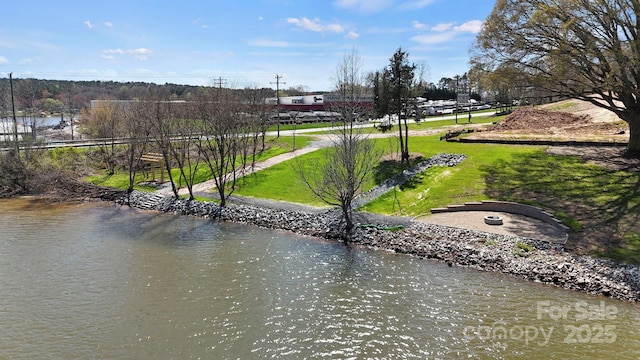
{"x":605,"y":203}
{"x":387,"y":169}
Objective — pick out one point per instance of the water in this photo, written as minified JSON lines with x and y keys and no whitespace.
{"x":95,"y":281}
{"x":6,"y":124}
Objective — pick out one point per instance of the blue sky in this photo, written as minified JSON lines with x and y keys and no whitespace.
{"x":245,"y":42}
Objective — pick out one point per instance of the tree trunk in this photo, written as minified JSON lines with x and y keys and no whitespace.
{"x":405,"y":152}
{"x":348,"y":220}
{"x":633,"y":149}
{"x":401,"y":138}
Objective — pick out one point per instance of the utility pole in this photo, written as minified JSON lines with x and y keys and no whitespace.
{"x":456,"y":110}
{"x":278,"y":77}
{"x":219,"y":82}
{"x":13,"y":109}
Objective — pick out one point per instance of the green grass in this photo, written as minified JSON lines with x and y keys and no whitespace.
{"x":427,"y":124}
{"x":523,"y":250}
{"x":629,"y":252}
{"x":564,"y":179}
{"x":281,"y":182}
{"x":567,"y":220}
{"x":566,"y":106}
{"x":276,"y":146}
{"x":441,"y":186}
{"x":437,"y":186}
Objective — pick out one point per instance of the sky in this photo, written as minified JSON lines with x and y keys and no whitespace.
{"x":239,"y":43}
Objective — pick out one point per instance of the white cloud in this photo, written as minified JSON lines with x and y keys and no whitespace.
{"x":108,"y":24}
{"x":110,"y":54}
{"x":88,"y":24}
{"x":473,"y":26}
{"x":442,"y":27}
{"x":138,"y":54}
{"x":445,"y":32}
{"x":427,"y":39}
{"x":200,"y":22}
{"x":260,"y":18}
{"x":4,"y":60}
{"x":315,"y":25}
{"x":352,"y":35}
{"x":418,"y":25}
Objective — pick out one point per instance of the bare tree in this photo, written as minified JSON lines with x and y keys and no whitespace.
{"x":183,"y":148}
{"x":104,"y":122}
{"x":349,"y":87}
{"x":339,"y":177}
{"x":162,"y":130}
{"x":224,"y":135}
{"x":256,"y":112}
{"x":136,"y":129}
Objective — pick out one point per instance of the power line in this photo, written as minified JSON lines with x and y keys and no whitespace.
{"x":219,"y":82}
{"x":278,"y":77}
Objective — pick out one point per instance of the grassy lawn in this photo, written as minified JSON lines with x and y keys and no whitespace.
{"x":441,"y":186}
{"x":281,"y":182}
{"x":603,"y":205}
{"x":275,"y":146}
{"x":436,"y":187}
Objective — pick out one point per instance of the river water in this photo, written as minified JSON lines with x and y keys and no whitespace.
{"x":96,"y":281}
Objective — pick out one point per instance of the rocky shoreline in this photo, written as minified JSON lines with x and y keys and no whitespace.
{"x":525,"y":258}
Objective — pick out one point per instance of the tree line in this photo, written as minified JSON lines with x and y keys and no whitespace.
{"x":222,"y":130}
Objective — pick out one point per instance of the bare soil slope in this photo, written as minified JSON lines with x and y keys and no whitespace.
{"x":562,"y":121}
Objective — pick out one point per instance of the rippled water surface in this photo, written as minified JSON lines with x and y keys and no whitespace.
{"x":94,"y":281}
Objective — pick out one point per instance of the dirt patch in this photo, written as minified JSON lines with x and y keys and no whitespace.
{"x":581,"y":122}
{"x":396,"y":157}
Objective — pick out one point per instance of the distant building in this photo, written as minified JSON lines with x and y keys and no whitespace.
{"x":318,"y":102}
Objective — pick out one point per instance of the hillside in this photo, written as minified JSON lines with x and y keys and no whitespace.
{"x":562,"y":121}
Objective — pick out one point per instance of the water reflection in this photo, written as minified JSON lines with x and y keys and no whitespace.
{"x":98,"y":281}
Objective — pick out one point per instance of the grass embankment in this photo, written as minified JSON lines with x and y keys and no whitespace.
{"x":274,"y":147}
{"x":601,"y":205}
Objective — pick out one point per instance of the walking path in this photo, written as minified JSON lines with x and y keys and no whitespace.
{"x":209,"y":185}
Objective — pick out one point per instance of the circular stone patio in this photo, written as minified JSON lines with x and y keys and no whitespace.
{"x":513,"y":224}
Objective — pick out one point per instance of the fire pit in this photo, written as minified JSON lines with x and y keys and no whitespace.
{"x":493,"y":220}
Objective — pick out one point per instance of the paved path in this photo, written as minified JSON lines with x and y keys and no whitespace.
{"x":210,"y":185}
